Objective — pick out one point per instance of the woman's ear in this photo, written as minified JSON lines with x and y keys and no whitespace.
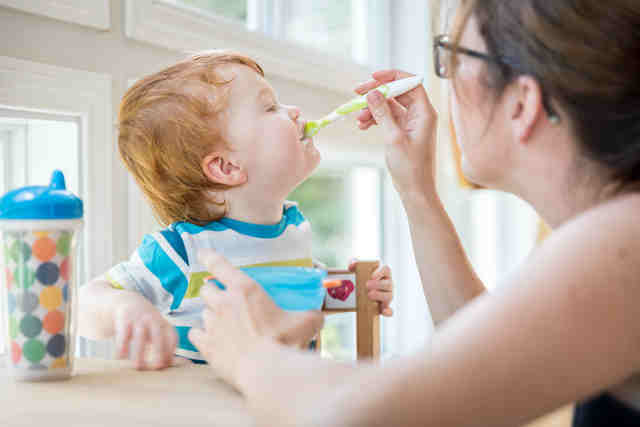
{"x":220,"y":168}
{"x":527,"y":109}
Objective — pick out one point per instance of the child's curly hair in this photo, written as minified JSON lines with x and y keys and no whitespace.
{"x":168,"y":122}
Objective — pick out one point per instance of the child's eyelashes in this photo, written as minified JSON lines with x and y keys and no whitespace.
{"x":273,"y":108}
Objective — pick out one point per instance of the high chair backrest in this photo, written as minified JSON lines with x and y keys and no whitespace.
{"x":347,"y":292}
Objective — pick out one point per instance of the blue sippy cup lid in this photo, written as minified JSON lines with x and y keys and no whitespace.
{"x":39,"y":202}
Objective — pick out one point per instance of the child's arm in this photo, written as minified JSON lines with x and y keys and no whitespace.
{"x":136,"y":325}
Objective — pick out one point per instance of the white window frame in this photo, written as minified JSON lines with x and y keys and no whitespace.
{"x":178,"y":28}
{"x":90,"y":13}
{"x":35,"y":87}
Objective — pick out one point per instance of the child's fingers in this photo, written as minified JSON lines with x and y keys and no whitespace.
{"x":155,"y":348}
{"x":172,"y":342}
{"x":383,"y":297}
{"x":380,"y":285}
{"x":382,"y":272}
{"x":160,"y":348}
{"x":124,"y":332}
{"x":138,"y":344}
{"x":385,"y":307}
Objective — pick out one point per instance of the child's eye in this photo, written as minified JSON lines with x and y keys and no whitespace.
{"x":273,"y":107}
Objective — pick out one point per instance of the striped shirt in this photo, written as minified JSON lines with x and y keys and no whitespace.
{"x":165,"y":268}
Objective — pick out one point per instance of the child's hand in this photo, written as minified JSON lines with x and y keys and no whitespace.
{"x":380,"y":287}
{"x":143,"y":335}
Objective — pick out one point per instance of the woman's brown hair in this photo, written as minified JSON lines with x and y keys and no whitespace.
{"x":585,"y":54}
{"x":168,"y":122}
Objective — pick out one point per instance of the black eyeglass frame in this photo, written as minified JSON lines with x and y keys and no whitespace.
{"x":440,"y":41}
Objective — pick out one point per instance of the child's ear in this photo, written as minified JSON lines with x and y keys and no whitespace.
{"x":221,"y":168}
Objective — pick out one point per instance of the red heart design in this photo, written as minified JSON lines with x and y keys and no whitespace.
{"x":343,"y":291}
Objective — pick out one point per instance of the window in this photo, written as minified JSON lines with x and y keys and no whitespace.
{"x":344,"y":208}
{"x":31,"y":148}
{"x":235,"y":10}
{"x":55,"y":117}
{"x":337,"y":27}
{"x":503,"y":232}
{"x":321,"y":24}
{"x":32,"y":145}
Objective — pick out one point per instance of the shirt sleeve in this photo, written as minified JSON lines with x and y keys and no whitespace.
{"x":156,"y":270}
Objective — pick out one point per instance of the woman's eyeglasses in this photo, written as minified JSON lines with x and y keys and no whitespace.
{"x":443,"y":60}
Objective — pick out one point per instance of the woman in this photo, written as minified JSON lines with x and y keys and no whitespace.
{"x":545,"y":97}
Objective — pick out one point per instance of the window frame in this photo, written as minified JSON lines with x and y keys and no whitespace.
{"x":346,"y":157}
{"x":184,"y":29}
{"x":34,"y":87}
{"x":89,"y":13}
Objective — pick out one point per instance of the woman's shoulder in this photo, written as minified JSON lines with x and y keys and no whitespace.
{"x":601,"y":244}
{"x":617,"y":219}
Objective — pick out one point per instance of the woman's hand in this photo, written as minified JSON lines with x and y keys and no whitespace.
{"x":410,"y":123}
{"x":238,"y":319}
{"x":143,"y":335}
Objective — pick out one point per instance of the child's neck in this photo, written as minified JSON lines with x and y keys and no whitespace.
{"x":267,"y":212}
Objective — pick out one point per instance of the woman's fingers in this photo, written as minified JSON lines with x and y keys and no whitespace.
{"x":383,"y":115}
{"x":199,"y":338}
{"x":365,"y":117}
{"x":212,"y":296}
{"x":208,"y":318}
{"x":366,"y":125}
{"x":386,"y":76}
{"x":225,"y":272}
{"x":301,"y":327}
{"x":367,"y":86}
{"x":381,"y":77}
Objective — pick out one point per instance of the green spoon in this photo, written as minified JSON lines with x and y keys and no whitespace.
{"x":389,"y":90}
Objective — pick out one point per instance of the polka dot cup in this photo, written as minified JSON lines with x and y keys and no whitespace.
{"x":38,"y":287}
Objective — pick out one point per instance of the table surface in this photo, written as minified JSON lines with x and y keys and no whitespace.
{"x":111,"y":393}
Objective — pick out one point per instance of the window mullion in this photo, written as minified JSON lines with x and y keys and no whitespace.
{"x":256,"y":15}
{"x":279,"y":18}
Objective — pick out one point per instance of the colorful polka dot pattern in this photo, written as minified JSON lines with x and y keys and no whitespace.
{"x":37,"y":276}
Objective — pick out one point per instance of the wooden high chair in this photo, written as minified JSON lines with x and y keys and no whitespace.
{"x":347,"y":292}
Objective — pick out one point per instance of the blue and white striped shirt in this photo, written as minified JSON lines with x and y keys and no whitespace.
{"x":165,"y":268}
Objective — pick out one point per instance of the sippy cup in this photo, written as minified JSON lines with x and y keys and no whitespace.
{"x":38,"y":233}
